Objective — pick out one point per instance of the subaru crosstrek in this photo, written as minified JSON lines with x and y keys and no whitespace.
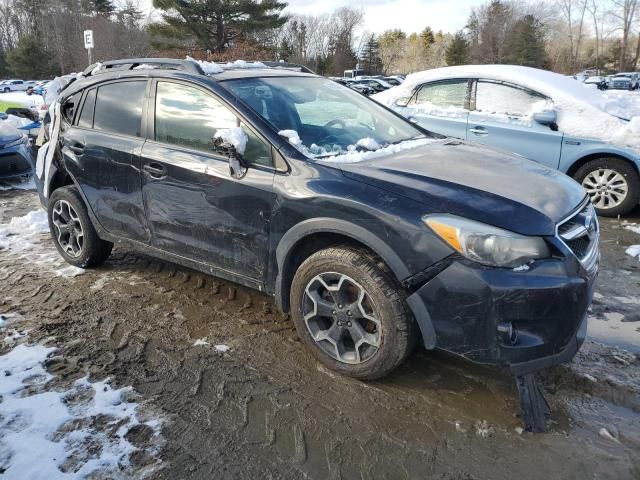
{"x":371,"y":231}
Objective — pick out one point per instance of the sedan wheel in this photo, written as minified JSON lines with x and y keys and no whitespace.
{"x":607,"y":188}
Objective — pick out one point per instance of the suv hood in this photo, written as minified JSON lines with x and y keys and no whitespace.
{"x":475,"y":182}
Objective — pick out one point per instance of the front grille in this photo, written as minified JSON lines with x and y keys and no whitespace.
{"x":581,"y":233}
{"x":620,"y":84}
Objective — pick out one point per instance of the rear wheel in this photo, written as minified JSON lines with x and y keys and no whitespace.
{"x":350,"y":311}
{"x":612,"y":184}
{"x":73,"y":234}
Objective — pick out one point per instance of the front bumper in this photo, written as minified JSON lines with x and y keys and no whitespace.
{"x":16,"y":161}
{"x":465,"y":308}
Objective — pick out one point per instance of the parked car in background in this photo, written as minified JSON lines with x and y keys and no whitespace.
{"x":371,"y":231}
{"x":599,"y":82}
{"x":541,"y":115}
{"x":625,"y":81}
{"x":13,"y":86}
{"x":15,"y":152}
{"x":394,"y":80}
{"x":375,"y":84}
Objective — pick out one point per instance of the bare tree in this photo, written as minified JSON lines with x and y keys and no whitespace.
{"x":624,"y":11}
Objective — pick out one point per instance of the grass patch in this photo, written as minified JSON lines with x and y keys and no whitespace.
{"x":5,"y":105}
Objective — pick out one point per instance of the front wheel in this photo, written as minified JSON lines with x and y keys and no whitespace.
{"x":612,"y":184}
{"x":73,"y":233}
{"x":351,"y":312}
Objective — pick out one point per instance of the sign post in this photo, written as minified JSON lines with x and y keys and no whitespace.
{"x":88,"y":44}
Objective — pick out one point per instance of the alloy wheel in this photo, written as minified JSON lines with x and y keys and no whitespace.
{"x":607,"y":188}
{"x":340,"y":317}
{"x":66,"y":221}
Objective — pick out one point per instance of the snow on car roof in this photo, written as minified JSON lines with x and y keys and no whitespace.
{"x":582,"y":111}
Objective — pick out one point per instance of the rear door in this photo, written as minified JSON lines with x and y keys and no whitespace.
{"x":502,"y":118}
{"x":441,"y":107}
{"x":195,"y":208}
{"x":102,"y":152}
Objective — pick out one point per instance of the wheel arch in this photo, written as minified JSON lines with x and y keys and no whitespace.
{"x":575,"y":166}
{"x":315,"y":234}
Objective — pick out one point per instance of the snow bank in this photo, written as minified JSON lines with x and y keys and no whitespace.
{"x":634,"y":227}
{"x":634,"y":251}
{"x":50,"y":433}
{"x":581,"y":111}
{"x":211,"y":68}
{"x":235,"y":136}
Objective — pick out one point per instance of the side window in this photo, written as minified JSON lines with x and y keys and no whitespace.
{"x":118,"y":108}
{"x":504,"y":99}
{"x":86,"y":115}
{"x":70,"y":106}
{"x":444,"y":94}
{"x":189,"y":117}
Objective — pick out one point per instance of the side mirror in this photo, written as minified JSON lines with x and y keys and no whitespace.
{"x":403,"y":101}
{"x":237,"y":165}
{"x":545,"y":117}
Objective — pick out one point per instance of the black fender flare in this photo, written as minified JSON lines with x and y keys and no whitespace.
{"x":359,"y":234}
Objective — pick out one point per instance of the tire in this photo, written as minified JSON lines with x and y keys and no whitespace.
{"x":6,"y":90}
{"x":66,"y":212}
{"x":598,"y":168}
{"x":388,"y":322}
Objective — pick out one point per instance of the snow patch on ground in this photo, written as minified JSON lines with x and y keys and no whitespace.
{"x":18,"y":185}
{"x":634,"y":251}
{"x":201,"y":342}
{"x":51,"y":432}
{"x":634,"y":227}
{"x":222,"y":348}
{"x":24,"y":236}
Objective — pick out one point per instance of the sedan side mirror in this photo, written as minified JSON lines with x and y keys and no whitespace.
{"x":546,"y":117}
{"x":237,"y":165}
{"x":402,"y":102}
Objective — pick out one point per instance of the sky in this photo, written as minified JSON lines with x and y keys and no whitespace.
{"x":381,"y":15}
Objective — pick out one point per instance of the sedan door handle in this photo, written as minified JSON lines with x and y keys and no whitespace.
{"x":155,"y":170}
{"x":479,"y":131}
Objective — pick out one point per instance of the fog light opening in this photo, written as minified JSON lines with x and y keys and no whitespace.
{"x":508,"y":333}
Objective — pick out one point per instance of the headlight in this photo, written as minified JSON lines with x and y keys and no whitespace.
{"x":17,"y":142}
{"x":487,"y":244}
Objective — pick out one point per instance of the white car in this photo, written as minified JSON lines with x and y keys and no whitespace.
{"x":13,"y":86}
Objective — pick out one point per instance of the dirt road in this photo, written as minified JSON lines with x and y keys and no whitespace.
{"x":263,"y":409}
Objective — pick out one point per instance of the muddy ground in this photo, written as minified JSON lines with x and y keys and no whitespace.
{"x":265,"y":409}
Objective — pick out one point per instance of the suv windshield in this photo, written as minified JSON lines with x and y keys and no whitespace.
{"x":321,"y":117}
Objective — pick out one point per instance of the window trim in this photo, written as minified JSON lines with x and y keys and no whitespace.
{"x":467,"y":96}
{"x":506,"y":84}
{"x":151,"y":123}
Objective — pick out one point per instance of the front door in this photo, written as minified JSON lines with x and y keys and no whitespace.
{"x":194,"y":207}
{"x":441,"y":107}
{"x":502,"y":118}
{"x":102,"y":151}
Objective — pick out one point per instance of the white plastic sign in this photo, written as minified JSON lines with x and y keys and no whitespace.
{"x":88,"y":39}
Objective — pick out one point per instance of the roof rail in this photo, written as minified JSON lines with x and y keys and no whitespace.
{"x":287,"y":65}
{"x":132,"y":63}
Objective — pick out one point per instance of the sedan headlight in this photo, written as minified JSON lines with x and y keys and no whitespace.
{"x":486,"y":244}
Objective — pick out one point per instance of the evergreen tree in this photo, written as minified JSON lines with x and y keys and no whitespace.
{"x":458,"y":50}
{"x":427,"y":37}
{"x":214,"y":24}
{"x":525,"y":43}
{"x":30,"y":59}
{"x":370,"y":56}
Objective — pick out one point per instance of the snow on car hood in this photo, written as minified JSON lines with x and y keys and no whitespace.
{"x":582,"y":111}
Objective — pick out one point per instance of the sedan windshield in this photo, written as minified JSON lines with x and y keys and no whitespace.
{"x":320,"y":117}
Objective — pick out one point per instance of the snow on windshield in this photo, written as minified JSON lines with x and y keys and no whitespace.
{"x":363,"y":149}
{"x":581,"y":111}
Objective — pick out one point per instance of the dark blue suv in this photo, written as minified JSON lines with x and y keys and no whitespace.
{"x":371,"y":231}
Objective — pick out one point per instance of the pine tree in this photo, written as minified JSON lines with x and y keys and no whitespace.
{"x":525,"y":43}
{"x":458,"y":50}
{"x":30,"y":60}
{"x":428,"y":38}
{"x":370,"y":56}
{"x":214,"y":24}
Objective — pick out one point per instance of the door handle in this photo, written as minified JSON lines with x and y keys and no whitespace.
{"x":479,"y":131}
{"x":155,"y":170}
{"x":77,"y":148}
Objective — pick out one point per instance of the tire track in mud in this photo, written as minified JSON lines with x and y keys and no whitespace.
{"x":265,"y":409}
